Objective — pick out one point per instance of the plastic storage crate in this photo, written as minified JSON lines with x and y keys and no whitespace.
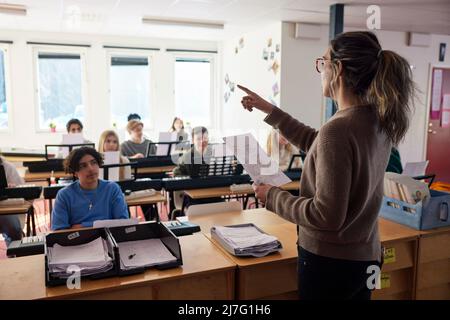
{"x":433,"y":214}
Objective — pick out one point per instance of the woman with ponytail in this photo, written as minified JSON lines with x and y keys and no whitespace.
{"x":341,"y":187}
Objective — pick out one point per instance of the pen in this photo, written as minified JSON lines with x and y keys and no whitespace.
{"x":131,"y":256}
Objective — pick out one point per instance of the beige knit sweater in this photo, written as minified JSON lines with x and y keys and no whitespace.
{"x":341,"y":185}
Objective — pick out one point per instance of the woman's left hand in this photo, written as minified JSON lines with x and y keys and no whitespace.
{"x":261,"y":191}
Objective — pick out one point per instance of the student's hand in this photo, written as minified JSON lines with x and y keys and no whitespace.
{"x":76,"y":226}
{"x":261,"y":191}
{"x":252,"y":100}
{"x":137,"y":156}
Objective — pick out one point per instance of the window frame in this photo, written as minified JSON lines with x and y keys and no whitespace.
{"x":9,"y":100}
{"x":212,"y":58}
{"x":82,"y":52}
{"x":152,"y":99}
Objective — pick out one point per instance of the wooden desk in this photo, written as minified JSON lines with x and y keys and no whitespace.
{"x":39,"y":176}
{"x":27,"y":209}
{"x":157,"y":198}
{"x":205,"y":193}
{"x":155,"y":169}
{"x":400,"y":261}
{"x":206,"y":274}
{"x":22,"y":158}
{"x":433,"y":268}
{"x":400,"y":268}
{"x":273,"y":276}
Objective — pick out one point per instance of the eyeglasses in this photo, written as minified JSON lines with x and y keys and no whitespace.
{"x":320,"y":64}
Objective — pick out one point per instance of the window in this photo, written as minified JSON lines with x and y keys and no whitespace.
{"x":4,"y":116}
{"x":60,"y":93}
{"x":129,"y":89}
{"x":193,"y":91}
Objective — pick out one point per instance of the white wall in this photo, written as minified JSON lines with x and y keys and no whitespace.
{"x":301,"y":91}
{"x":248,"y":68}
{"x":23,"y":130}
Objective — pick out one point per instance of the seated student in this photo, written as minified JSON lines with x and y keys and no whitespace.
{"x":178,"y":127}
{"x":136,"y":147}
{"x":200,"y":153}
{"x":75,"y":126}
{"x":89,"y":198}
{"x":281,"y":150}
{"x":11,"y":225}
{"x":109,"y":141}
{"x":133,"y":116}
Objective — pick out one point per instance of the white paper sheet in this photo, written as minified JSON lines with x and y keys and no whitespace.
{"x":262,"y":168}
{"x":111,"y":157}
{"x":163,"y":149}
{"x":142,"y":253}
{"x":110,"y":223}
{"x":70,"y":138}
{"x":414,"y":169}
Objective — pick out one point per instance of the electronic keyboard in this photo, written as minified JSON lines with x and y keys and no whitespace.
{"x":28,"y":246}
{"x":181,"y":228}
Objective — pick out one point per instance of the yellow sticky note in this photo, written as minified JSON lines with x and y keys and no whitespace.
{"x":389,"y":255}
{"x":385,"y":280}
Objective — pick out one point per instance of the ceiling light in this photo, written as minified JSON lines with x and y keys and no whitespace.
{"x":183,"y":22}
{"x":13,"y":9}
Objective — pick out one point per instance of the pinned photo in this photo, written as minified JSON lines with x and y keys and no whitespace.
{"x":265,"y":54}
{"x":227,"y":79}
{"x":231,"y":85}
{"x":269,"y":42}
{"x":272,"y":55}
{"x":275,"y":67}
{"x":277,"y":48}
{"x":241,"y":43}
{"x":275,"y":89}
{"x":236,"y":50}
{"x":226,"y":96}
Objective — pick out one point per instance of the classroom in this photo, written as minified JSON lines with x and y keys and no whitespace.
{"x":224,"y":150}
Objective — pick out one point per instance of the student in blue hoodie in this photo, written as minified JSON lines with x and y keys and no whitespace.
{"x":89,"y":198}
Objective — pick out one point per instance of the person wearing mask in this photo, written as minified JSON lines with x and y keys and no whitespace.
{"x":11,"y":226}
{"x":137,"y":146}
{"x":281,"y":150}
{"x":89,"y":198}
{"x":109,"y":141}
{"x":341,"y":186}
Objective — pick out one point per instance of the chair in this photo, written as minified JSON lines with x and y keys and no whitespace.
{"x":211,"y":208}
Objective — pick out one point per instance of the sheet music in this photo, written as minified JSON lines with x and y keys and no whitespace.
{"x":261,"y":167}
{"x":111,"y":157}
{"x":70,"y":138}
{"x":414,"y":169}
{"x":144,"y":253}
{"x":110,"y":223}
{"x":163,"y":149}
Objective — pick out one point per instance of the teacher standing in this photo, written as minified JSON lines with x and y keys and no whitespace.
{"x":341,"y":187}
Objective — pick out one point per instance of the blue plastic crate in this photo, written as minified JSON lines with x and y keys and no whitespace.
{"x":434,"y":214}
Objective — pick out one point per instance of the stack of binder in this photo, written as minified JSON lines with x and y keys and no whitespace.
{"x":245,"y":240}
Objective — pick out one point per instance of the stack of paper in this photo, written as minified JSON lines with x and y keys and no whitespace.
{"x":89,"y":258}
{"x":143,"y":253}
{"x":245,"y":240}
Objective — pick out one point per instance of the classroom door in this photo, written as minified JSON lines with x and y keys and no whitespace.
{"x":438,"y":140}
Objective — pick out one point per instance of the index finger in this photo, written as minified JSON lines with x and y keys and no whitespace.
{"x":247,"y":91}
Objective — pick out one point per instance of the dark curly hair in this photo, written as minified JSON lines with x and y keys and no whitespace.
{"x":73,"y":121}
{"x":72,"y":162}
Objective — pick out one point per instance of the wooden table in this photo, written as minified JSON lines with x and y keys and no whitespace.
{"x":28,"y":209}
{"x":157,"y":198}
{"x":205,"y":274}
{"x":155,"y":169}
{"x":433,"y":267}
{"x":40,"y":176}
{"x":270,"y":277}
{"x":398,"y":271}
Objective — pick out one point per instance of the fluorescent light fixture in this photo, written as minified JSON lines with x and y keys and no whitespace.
{"x":13,"y":9}
{"x":183,"y":22}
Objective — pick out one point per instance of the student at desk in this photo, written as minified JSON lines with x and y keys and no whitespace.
{"x":200,"y":153}
{"x":75,"y":126}
{"x":281,"y":150}
{"x":341,"y":187}
{"x":11,"y":225}
{"x":109,"y":141}
{"x":88,"y":199}
{"x":137,"y":146}
{"x":178,"y":127}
